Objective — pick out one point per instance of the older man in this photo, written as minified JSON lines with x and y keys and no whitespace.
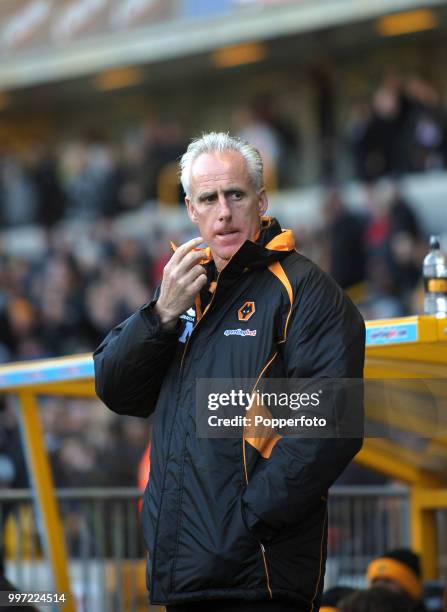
{"x":233,"y":523}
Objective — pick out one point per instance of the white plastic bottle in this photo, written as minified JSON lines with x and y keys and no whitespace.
{"x":435,"y":280}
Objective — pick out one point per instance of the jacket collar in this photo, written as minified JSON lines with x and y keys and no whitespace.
{"x":272,"y":244}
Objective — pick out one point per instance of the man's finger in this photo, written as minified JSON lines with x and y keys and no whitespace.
{"x":189,"y":260}
{"x":193,"y":274}
{"x":197,"y":285}
{"x":185,"y":248}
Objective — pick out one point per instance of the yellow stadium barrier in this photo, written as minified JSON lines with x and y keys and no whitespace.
{"x":72,"y":377}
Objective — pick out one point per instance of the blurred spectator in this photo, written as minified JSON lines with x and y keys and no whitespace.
{"x":398,"y":571}
{"x":384,"y":301}
{"x":357,"y":126}
{"x":346,"y":241}
{"x":405,"y":243}
{"x":132,"y":171}
{"x":164,"y":144}
{"x":403,"y":129}
{"x":18,"y":198}
{"x":376,"y":600}
{"x":120,"y":458}
{"x":332,"y":597}
{"x":75,"y":464}
{"x":43,"y":172}
{"x":267,"y":110}
{"x":394,"y":250}
{"x":324,"y":91}
{"x":262,"y":135}
{"x":426,"y":126}
{"x":380,"y":140}
{"x":91,"y":177}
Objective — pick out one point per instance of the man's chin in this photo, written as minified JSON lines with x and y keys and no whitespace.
{"x":227,"y":253}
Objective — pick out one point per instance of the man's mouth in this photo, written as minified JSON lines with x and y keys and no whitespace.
{"x":227,"y":233}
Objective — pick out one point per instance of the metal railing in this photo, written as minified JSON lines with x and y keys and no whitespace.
{"x":364,"y":522}
{"x":441,"y":528}
{"x":106,"y":550}
{"x":103,"y":540}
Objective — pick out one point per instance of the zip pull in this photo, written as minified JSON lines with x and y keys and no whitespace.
{"x":266,"y":569}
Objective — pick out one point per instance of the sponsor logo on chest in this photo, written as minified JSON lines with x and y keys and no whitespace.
{"x":244,"y":313}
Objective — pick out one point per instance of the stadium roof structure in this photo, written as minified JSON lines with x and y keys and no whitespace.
{"x":50,"y":40}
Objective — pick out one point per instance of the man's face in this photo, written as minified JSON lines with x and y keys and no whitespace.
{"x":224,"y":203}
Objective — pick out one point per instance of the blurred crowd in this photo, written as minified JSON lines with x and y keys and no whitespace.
{"x":402,"y":129}
{"x":93,"y":176}
{"x":376,"y":253}
{"x":64,"y":302}
{"x":63,"y":298}
{"x":89,"y":177}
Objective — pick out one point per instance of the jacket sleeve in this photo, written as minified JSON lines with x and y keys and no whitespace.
{"x":326,"y":339}
{"x":131,"y":362}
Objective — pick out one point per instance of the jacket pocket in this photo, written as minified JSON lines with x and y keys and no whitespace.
{"x":300,"y":549}
{"x":217,"y":551}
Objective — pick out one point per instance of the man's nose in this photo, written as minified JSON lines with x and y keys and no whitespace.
{"x":224,"y":210}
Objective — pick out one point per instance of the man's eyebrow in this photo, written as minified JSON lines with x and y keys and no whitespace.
{"x":206,"y":195}
{"x":231,"y":190}
{"x":213,"y":194}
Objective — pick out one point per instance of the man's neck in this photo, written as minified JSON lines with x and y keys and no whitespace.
{"x":220,"y":264}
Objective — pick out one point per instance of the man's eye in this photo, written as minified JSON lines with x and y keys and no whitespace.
{"x":237,"y":195}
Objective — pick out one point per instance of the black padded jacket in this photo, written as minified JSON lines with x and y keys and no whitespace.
{"x":237,"y":518}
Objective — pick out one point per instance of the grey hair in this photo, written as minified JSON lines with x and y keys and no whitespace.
{"x":219,"y":142}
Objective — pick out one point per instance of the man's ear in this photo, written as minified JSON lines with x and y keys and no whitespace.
{"x":263,"y":201}
{"x":191,"y":210}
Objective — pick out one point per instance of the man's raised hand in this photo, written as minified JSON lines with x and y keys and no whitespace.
{"x":183,"y":278}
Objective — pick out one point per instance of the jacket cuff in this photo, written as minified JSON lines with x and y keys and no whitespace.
{"x":153,"y":322}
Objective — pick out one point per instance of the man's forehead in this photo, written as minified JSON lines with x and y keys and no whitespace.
{"x":219,"y":165}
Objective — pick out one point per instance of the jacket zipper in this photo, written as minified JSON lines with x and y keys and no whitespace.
{"x":179,"y":385}
{"x":266,"y":569}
